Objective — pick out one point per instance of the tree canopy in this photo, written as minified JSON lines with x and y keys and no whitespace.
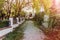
{"x":36,"y":5}
{"x":1,"y":3}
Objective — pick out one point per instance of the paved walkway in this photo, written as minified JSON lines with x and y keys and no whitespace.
{"x":32,"y":33}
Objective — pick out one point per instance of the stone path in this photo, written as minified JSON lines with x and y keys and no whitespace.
{"x":32,"y":33}
{"x":26,"y":31}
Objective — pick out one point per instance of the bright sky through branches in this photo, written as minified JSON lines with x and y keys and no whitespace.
{"x":47,"y":4}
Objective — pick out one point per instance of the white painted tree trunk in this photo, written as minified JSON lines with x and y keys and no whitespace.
{"x":17,"y":20}
{"x":11,"y":21}
{"x":46,"y":19}
{"x":20,"y":18}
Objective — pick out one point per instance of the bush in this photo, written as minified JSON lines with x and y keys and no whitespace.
{"x":4,"y":24}
{"x":39,"y":18}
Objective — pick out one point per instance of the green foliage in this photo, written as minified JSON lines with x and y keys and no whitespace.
{"x":39,"y":18}
{"x":17,"y":34}
{"x":4,"y":24}
{"x":1,"y":3}
{"x":22,"y":13}
{"x":36,"y":6}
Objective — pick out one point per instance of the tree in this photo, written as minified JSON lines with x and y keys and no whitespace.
{"x":1,"y":3}
{"x":36,"y":5}
{"x":18,"y":6}
{"x":7,"y":8}
{"x":1,"y":6}
{"x":47,"y":5}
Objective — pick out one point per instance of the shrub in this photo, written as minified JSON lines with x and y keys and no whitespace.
{"x":4,"y":24}
{"x":39,"y":18}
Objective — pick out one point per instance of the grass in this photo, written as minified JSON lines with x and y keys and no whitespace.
{"x":40,"y":26}
{"x":17,"y":34}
